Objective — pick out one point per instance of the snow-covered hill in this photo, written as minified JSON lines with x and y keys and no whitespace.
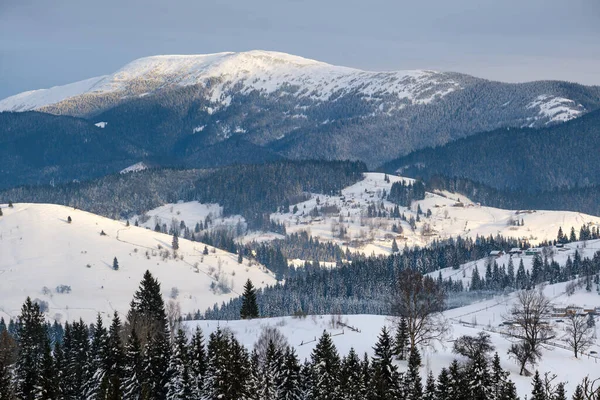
{"x":451,"y":215}
{"x":40,"y":250}
{"x":302,"y":332}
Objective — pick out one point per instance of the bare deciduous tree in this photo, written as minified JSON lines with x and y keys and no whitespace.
{"x":529,"y":327}
{"x":579,"y":335}
{"x":420,"y":301}
{"x":269,"y":334}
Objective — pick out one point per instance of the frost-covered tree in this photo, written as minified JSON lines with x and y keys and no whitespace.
{"x":133,"y":368}
{"x":180,"y":383}
{"x":325,"y":364}
{"x":385,"y":379}
{"x":32,"y":340}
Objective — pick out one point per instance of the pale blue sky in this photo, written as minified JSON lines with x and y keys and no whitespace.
{"x":45,"y":43}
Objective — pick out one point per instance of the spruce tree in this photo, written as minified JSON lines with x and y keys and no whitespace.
{"x":157,"y":354}
{"x":402,"y":343}
{"x":395,"y":248}
{"x":578,"y":394}
{"x":413,"y":384}
{"x":96,"y":385}
{"x":198,"y":361}
{"x":537,"y":393}
{"x":430,"y":389}
{"x":180,"y":384}
{"x":478,"y":378}
{"x":76,"y":356}
{"x":249,"y":308}
{"x":133,"y":369}
{"x":175,"y":242}
{"x":270,"y":373}
{"x":114,"y":360}
{"x":48,"y":386}
{"x":560,"y":393}
{"x":289,"y":382}
{"x":352,"y":383}
{"x":443,"y":385}
{"x":384,"y":382}
{"x":456,"y":387}
{"x":115,"y":265}
{"x":325,"y":368}
{"x":217,"y":378}
{"x":32,"y":340}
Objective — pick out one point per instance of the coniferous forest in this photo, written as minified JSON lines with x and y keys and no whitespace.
{"x":145,"y":356}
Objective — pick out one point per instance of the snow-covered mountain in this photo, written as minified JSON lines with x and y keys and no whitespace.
{"x":264,"y":71}
{"x":41,"y":251}
{"x":258,"y":105}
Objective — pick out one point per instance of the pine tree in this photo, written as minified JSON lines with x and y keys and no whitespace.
{"x":414,"y":386}
{"x":198,"y":363}
{"x":215,"y":384}
{"x":76,"y":357}
{"x":96,"y":384}
{"x":430,"y":389}
{"x":249,"y":308}
{"x":395,"y":248}
{"x":572,"y":236}
{"x":180,"y":384}
{"x":498,"y":378}
{"x":384,"y":382}
{"x":1,"y":211}
{"x":479,"y":380}
{"x":205,"y":251}
{"x":157,"y":354}
{"x":175,"y":242}
{"x":115,"y":264}
{"x":560,"y":393}
{"x":325,"y":369}
{"x":133,"y":368}
{"x":401,"y":344}
{"x":289,"y":383}
{"x":351,"y":382}
{"x":443,"y":385}
{"x":32,"y":340}
{"x":456,"y":387}
{"x":578,"y":394}
{"x":48,"y":386}
{"x":537,"y":393}
{"x":114,"y":361}
{"x":270,"y":373}
{"x":69,"y":220}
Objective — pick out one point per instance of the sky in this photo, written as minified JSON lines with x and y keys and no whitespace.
{"x":46,"y":43}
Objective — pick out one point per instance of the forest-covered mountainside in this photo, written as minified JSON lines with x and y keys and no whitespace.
{"x":558,"y":157}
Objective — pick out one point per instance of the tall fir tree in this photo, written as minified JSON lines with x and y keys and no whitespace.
{"x":32,"y":340}
{"x":351,"y":378}
{"x":114,"y":360}
{"x":249,"y":308}
{"x":430,"y":388}
{"x":133,"y":370}
{"x":289,"y":382}
{"x":414,"y":385}
{"x":537,"y":392}
{"x":384,"y":382}
{"x":96,"y":385}
{"x":325,"y":369}
{"x":180,"y":384}
{"x":198,"y":361}
{"x":402,"y":345}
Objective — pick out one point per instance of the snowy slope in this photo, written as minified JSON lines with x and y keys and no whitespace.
{"x":264,"y":71}
{"x":302,"y":332}
{"x":40,"y":249}
{"x":35,"y":99}
{"x":451,"y":215}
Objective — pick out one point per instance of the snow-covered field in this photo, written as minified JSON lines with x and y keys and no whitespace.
{"x":191,"y":213}
{"x":487,"y":315}
{"x":451,"y":215}
{"x":40,"y":250}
